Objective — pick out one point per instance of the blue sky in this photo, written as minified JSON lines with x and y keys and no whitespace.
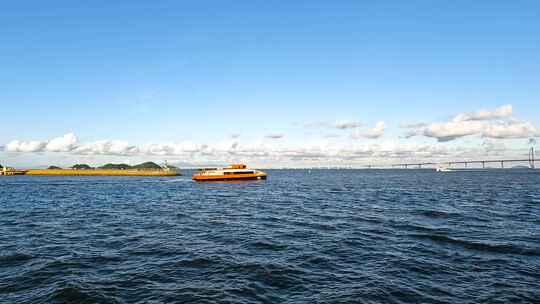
{"x":197,"y":72}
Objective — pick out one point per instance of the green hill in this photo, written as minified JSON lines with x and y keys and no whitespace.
{"x":148,"y":166}
{"x":143,"y":166}
{"x":54,"y":168}
{"x":116,"y":166}
{"x":81,"y":167}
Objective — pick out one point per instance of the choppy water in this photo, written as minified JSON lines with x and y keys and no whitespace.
{"x":321,"y":237}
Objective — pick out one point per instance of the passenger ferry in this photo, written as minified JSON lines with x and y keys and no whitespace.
{"x":229,"y":173}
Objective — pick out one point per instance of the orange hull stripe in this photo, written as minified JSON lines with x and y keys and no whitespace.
{"x":204,"y":177}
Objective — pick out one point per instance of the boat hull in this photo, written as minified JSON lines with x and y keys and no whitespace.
{"x":222,"y":178}
{"x":235,"y":172}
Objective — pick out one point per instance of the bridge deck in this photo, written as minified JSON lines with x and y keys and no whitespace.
{"x":466,"y":162}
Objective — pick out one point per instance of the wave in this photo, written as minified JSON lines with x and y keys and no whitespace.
{"x":178,"y":180}
{"x":266,"y":245}
{"x":14,"y":259}
{"x":198,"y":262}
{"x":479,"y":246}
{"x":437,"y":214}
{"x":77,"y":294}
{"x":270,"y":274}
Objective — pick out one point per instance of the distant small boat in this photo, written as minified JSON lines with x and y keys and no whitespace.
{"x":229,"y":173}
{"x":444,"y":170}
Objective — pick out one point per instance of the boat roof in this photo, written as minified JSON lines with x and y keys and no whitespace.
{"x":226,"y":169}
{"x":229,"y":167}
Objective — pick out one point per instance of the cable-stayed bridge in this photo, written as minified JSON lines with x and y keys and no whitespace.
{"x":483,"y":162}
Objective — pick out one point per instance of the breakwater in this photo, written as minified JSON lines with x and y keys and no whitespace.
{"x":101,"y":172}
{"x":144,"y":169}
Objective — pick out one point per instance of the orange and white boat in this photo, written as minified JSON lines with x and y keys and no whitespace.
{"x":229,"y":173}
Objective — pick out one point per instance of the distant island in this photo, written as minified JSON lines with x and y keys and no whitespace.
{"x":144,"y":169}
{"x":143,"y":166}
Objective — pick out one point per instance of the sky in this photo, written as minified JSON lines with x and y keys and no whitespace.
{"x":268,"y":83}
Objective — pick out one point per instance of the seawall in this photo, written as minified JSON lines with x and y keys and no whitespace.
{"x":101,"y":172}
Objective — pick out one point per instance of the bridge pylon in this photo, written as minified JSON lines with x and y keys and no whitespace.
{"x":531,"y":158}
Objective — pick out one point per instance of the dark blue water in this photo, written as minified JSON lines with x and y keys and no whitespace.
{"x":321,"y":237}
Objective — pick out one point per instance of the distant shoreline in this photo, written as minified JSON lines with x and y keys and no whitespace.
{"x":144,"y":169}
{"x":102,"y":172}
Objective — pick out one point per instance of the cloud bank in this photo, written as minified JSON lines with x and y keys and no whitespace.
{"x":491,"y":125}
{"x":497,"y":123}
{"x":323,"y":150}
{"x":64,"y":143}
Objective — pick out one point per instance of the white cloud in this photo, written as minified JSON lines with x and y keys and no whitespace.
{"x":500,"y":112}
{"x":372,"y":133}
{"x":25,"y":146}
{"x":511,"y":129}
{"x":343,"y":124}
{"x":106,"y":147}
{"x":447,"y":131}
{"x":376,"y":131}
{"x":224,"y":146}
{"x":172,"y":148}
{"x":275,"y":136}
{"x":346,"y":124}
{"x":413,"y":125}
{"x":497,"y":123}
{"x":64,"y":143}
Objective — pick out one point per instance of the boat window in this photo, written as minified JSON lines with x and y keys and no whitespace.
{"x":237,"y":172}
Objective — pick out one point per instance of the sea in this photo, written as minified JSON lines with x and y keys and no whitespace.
{"x":301,"y":236}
